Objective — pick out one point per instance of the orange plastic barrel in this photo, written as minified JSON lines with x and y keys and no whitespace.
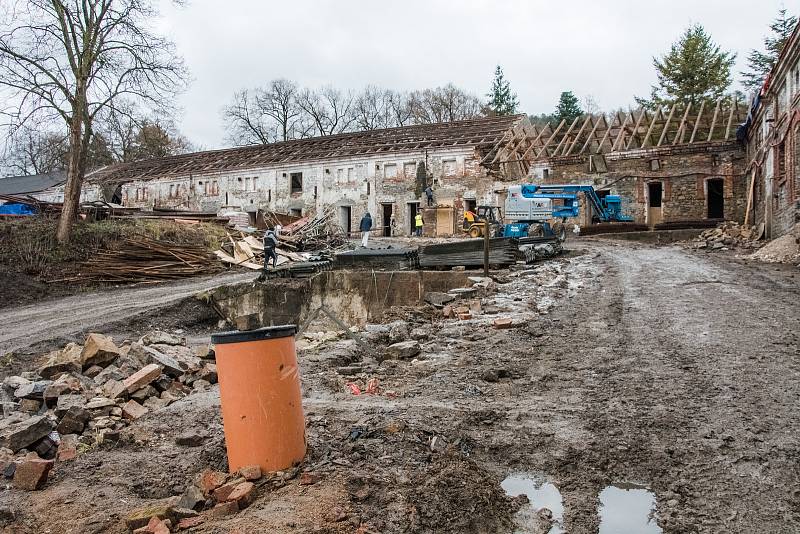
{"x":259,"y":388}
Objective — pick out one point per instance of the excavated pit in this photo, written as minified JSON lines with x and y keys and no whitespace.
{"x":354,"y":297}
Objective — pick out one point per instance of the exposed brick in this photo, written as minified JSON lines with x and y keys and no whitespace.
{"x":211,"y":480}
{"x":133,"y":410}
{"x":224,"y":509}
{"x":142,"y":377}
{"x":32,"y":473}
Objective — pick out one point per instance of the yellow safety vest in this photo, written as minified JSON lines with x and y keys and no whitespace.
{"x":418,"y":220}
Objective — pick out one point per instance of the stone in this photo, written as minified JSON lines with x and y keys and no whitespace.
{"x":447,"y":312}
{"x":47,"y":447}
{"x":142,"y":377}
{"x":307,"y":478}
{"x":158,"y":526}
{"x":68,"y":448}
{"x":65,"y":402}
{"x":93,"y":371}
{"x":140,"y":517}
{"x":133,"y":410}
{"x":74,"y":420}
{"x":110,"y":373}
{"x":32,"y":390}
{"x":405,"y":350}
{"x":115,"y":389}
{"x":190,"y":522}
{"x":98,"y":350}
{"x":201,"y":385}
{"x":490,"y":375}
{"x":502,"y":323}
{"x":210,"y":480}
{"x":12,"y":383}
{"x":208,"y":373}
{"x":464,"y":316}
{"x":250,"y":472}
{"x":438,"y":299}
{"x":31,"y":473}
{"x":204,"y":352}
{"x":54,"y":391}
{"x":464,"y":292}
{"x":66,"y":360}
{"x":192,"y":498}
{"x":170,"y":365}
{"x":30,"y":406}
{"x":224,"y":509}
{"x":140,"y":395}
{"x":155,"y":403}
{"x":222,"y":493}
{"x":242,"y":494}
{"x":157,"y":337}
{"x":20,"y":435}
{"x":99,"y":402}
{"x":191,"y":438}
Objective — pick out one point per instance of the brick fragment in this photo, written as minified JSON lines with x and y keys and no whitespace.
{"x":211,"y":480}
{"x":222,"y":493}
{"x":243,"y":494}
{"x":32,"y":473}
{"x":251,"y":472}
{"x":502,"y":323}
{"x":133,"y":410}
{"x":224,"y":509}
{"x":142,"y":377}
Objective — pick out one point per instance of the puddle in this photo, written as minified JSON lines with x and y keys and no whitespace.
{"x":628,"y":509}
{"x":541,"y":494}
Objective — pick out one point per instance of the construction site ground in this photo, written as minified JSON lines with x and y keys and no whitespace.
{"x":629,"y":365}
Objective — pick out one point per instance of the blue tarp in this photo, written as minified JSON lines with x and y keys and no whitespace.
{"x":16,"y":209}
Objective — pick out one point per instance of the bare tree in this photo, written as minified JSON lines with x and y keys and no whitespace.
{"x":372,"y":109}
{"x":279,"y":103}
{"x":401,"y":109}
{"x":444,"y":104}
{"x":73,"y":59}
{"x":329,"y":109}
{"x":31,"y":151}
{"x":245,"y":122}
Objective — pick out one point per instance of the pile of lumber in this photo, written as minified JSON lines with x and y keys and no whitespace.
{"x":469,"y":253}
{"x":321,"y":232}
{"x":40,"y":206}
{"x":248,"y":251}
{"x":143,"y":259}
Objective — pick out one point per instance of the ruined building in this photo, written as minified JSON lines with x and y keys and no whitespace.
{"x":678,"y":164}
{"x":772,"y":131}
{"x":380,"y":171}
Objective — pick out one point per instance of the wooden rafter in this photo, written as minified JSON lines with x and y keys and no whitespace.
{"x":697,"y":121}
{"x":650,"y":129}
{"x":714,"y":120}
{"x":734,"y":107}
{"x":566,"y":135}
{"x":682,"y":128}
{"x":550,"y":139}
{"x":666,"y":124}
{"x":635,"y":131}
{"x":621,"y":134}
{"x":535,"y":141}
{"x":607,"y":134}
{"x":578,"y":135}
{"x":591,"y":137}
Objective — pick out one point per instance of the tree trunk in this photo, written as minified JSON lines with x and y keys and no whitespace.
{"x":75,"y":171}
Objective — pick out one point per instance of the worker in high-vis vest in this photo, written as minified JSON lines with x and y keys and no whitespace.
{"x":469,"y":218}
{"x":418,"y":224}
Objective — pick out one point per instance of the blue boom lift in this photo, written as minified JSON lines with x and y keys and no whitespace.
{"x":530,"y":208}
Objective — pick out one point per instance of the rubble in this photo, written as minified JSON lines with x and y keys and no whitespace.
{"x":404,"y":350}
{"x":728,"y":235}
{"x":98,"y":350}
{"x":20,"y":435}
{"x":785,"y":249}
{"x":31,"y":474}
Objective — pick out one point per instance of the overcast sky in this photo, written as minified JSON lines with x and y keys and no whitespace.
{"x":598,"y":48}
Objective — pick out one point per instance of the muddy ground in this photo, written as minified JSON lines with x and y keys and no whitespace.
{"x":630,"y":363}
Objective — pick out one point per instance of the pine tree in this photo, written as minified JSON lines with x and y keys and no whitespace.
{"x":568,"y":108}
{"x":760,"y":63}
{"x":694,"y":69}
{"x":501,"y":100}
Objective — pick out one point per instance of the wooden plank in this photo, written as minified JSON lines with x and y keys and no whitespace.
{"x":555,"y":133}
{"x":636,"y":128}
{"x":566,"y":135}
{"x":734,"y":107}
{"x":538,"y":137}
{"x":621,"y":134}
{"x":666,"y":124}
{"x":750,"y":195}
{"x":578,"y":135}
{"x":697,"y":121}
{"x":591,"y":134}
{"x":714,"y":120}
{"x":650,"y":129}
{"x":682,"y":127}
{"x":606,"y":135}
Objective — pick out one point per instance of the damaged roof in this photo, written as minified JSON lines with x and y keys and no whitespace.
{"x":20,"y":185}
{"x":483,"y":133}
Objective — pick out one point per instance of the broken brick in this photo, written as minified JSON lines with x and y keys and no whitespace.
{"x":142,"y":377}
{"x":242,"y":494}
{"x":68,"y":448}
{"x":222,"y":493}
{"x":308,"y":478}
{"x":24,"y":433}
{"x":211,"y":480}
{"x":141,"y":516}
{"x":190,"y":522}
{"x":74,"y":420}
{"x":223,"y":509}
{"x":158,"y":526}
{"x":98,"y":350}
{"x":502,"y":323}
{"x":133,"y":410}
{"x":251,"y":472}
{"x":32,"y":473}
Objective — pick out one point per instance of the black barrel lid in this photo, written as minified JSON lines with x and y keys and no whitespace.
{"x":242,"y":336}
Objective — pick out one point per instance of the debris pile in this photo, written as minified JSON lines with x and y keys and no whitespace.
{"x":83,"y":395}
{"x":785,"y":249}
{"x":321,"y":232}
{"x":248,"y":251}
{"x":143,"y":259}
{"x":214,"y":495}
{"x":728,"y":235}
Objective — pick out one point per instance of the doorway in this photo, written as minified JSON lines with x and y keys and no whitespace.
{"x":387,"y":219}
{"x":470,"y":204}
{"x":413,"y":207}
{"x":345,"y":219}
{"x":655,"y":213}
{"x":715,"y":198}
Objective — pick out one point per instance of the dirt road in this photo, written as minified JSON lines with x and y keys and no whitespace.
{"x":641,"y":379}
{"x":27,"y":325}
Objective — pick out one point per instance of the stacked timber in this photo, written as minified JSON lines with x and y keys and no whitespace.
{"x":468,"y":253}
